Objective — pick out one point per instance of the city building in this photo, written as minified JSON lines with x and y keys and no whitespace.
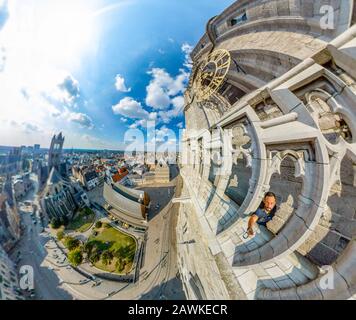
{"x":270,"y":106}
{"x":21,"y":185}
{"x":87,"y":176}
{"x":10,"y":223}
{"x":55,"y":153}
{"x":129,"y":206}
{"x":61,"y":198}
{"x":9,"y":284}
{"x":11,"y":163}
{"x":159,"y":173}
{"x":120,"y":176}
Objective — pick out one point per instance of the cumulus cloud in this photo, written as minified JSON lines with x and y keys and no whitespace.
{"x":82,"y":119}
{"x":178,"y":103}
{"x":130,"y":108}
{"x":176,"y":111}
{"x":153,"y":116}
{"x":61,"y":89}
{"x":90,"y":141}
{"x":70,"y":89}
{"x":120,"y":84}
{"x":187,"y":50}
{"x":25,"y":126}
{"x":163,"y":87}
{"x":164,"y":94}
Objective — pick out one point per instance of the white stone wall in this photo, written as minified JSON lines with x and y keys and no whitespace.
{"x":295,"y":134}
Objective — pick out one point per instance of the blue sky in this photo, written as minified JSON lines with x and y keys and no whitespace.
{"x":95,"y":69}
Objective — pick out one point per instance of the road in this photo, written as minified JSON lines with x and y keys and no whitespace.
{"x":55,"y":280}
{"x":33,"y":253}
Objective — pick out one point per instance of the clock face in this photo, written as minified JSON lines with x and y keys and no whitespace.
{"x":211,"y":74}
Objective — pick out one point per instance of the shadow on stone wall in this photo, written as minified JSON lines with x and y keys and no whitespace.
{"x":337,"y":225}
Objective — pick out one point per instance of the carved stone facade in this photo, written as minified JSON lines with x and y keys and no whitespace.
{"x":283,"y":119}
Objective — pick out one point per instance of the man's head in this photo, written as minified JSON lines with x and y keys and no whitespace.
{"x":269,"y":201}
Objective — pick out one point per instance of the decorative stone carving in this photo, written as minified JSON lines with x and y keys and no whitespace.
{"x":331,"y":124}
{"x":299,"y":141}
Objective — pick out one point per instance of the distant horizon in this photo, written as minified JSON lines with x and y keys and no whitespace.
{"x":77,"y":149}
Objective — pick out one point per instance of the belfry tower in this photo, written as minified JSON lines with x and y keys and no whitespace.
{"x":55,"y":152}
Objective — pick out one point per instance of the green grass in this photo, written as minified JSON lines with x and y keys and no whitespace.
{"x":113,"y":240}
{"x":82,"y":220}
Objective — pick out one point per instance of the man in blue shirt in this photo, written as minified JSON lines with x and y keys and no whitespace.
{"x":263,"y":214}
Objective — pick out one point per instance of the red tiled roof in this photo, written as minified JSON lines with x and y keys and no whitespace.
{"x":118,"y":176}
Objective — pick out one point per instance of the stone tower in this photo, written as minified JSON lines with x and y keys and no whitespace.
{"x":271,"y":106}
{"x":55,"y":152}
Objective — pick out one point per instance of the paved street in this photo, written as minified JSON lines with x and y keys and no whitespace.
{"x":33,"y":253}
{"x":55,"y":279}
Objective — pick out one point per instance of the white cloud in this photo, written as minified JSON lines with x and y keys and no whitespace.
{"x":120,"y":84}
{"x":187,"y":50}
{"x":90,"y":141}
{"x":130,"y":108}
{"x":180,"y":125}
{"x":178,"y":103}
{"x":143,"y":122}
{"x":163,"y":87}
{"x":133,"y":125}
{"x":69,"y":88}
{"x":25,"y":127}
{"x":176,"y":111}
{"x":164,"y":92}
{"x":122,"y":119}
{"x":82,"y":119}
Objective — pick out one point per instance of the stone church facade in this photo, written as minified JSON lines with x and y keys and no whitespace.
{"x":271,"y":106}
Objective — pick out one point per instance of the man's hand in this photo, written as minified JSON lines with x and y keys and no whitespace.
{"x":253,"y":219}
{"x":250,"y":232}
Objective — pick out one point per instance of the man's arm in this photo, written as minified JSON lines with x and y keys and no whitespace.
{"x":253,"y":219}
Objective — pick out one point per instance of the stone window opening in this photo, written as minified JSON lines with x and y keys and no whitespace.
{"x":238,"y":19}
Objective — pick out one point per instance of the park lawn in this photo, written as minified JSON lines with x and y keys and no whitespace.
{"x":111,"y":239}
{"x":112,"y":266}
{"x":82,"y":220}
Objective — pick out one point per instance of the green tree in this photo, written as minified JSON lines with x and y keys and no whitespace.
{"x":94,"y":257}
{"x":71,"y":243}
{"x":87,"y":211}
{"x":107,"y":257}
{"x":64,"y":221}
{"x":60,"y":235}
{"x":98,"y":224}
{"x":120,"y":264}
{"x":88,"y":247}
{"x":55,"y":223}
{"x":75,"y":257}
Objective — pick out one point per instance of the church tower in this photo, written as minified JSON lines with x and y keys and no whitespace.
{"x":55,"y":152}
